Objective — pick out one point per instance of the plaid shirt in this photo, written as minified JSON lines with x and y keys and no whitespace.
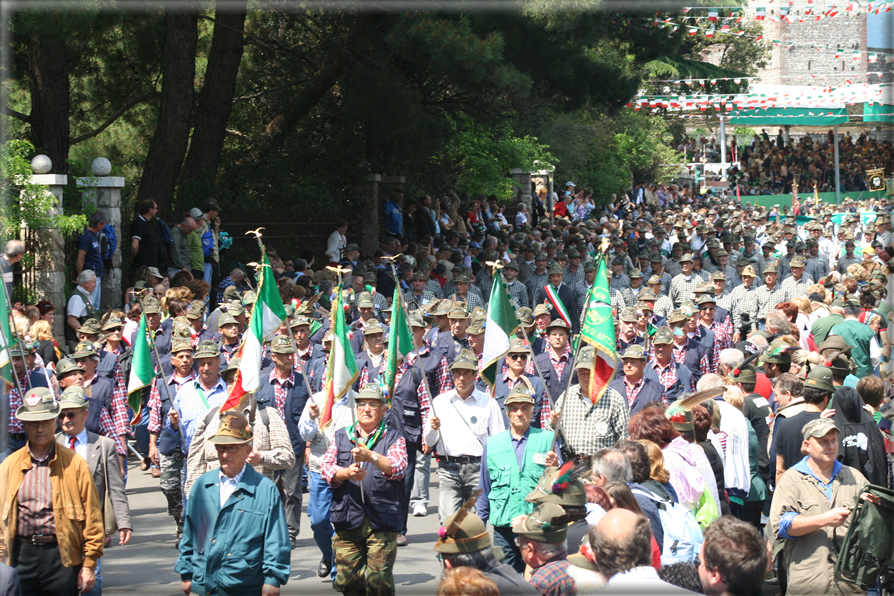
{"x":682,"y":288}
{"x":663,"y":306}
{"x":619,"y":282}
{"x":722,"y":340}
{"x":119,"y":403}
{"x":433,"y":287}
{"x":793,"y":288}
{"x":560,"y":362}
{"x":633,"y":391}
{"x":553,"y":578}
{"x":743,"y":301}
{"x":679,"y":353}
{"x":411,"y":301}
{"x":767,"y":299}
{"x":534,"y":282}
{"x":816,"y":267}
{"x":471,"y":299}
{"x":281,"y":389}
{"x":570,"y":277}
{"x":518,"y":294}
{"x":15,"y":400}
{"x":118,"y":421}
{"x":630,"y":297}
{"x":485,"y":283}
{"x":587,"y":427}
{"x":154,"y":402}
{"x":667,"y":376}
{"x":397,"y":456}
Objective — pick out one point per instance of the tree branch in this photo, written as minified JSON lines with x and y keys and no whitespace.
{"x":135,"y":101}
{"x":5,"y":109}
{"x":266,"y":91}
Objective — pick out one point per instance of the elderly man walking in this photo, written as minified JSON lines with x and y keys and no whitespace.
{"x":54,"y":553}
{"x":235,"y":539}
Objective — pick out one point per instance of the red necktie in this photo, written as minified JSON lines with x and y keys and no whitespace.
{"x":71,"y":442}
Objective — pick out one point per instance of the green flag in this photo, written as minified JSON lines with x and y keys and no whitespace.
{"x":598,"y":330}
{"x":141,"y":370}
{"x":6,"y":340}
{"x":501,"y":325}
{"x":400,"y":341}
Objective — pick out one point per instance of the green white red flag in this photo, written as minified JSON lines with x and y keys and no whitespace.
{"x":400,"y":342}
{"x":266,"y":317}
{"x":500,"y":326}
{"x":341,"y":371}
{"x":598,"y":330}
{"x":142,"y":370}
{"x":6,"y":341}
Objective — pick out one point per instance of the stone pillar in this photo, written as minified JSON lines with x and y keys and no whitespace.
{"x":104,"y":192}
{"x":367,"y":191}
{"x":522,"y":181}
{"x":49,"y":257}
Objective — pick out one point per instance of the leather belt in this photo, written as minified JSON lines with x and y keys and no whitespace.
{"x":460,"y":459}
{"x":40,"y":539}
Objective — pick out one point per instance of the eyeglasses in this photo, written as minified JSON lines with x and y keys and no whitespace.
{"x":71,"y":415}
{"x":227,"y":448}
{"x":364,"y":405}
{"x":517,"y":356}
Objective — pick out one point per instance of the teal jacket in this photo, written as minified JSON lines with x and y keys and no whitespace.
{"x":506,"y":486}
{"x":234,"y":550}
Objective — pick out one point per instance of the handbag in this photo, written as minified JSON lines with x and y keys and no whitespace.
{"x":108,"y":512}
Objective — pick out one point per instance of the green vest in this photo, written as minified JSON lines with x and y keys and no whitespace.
{"x":857,"y":335}
{"x":509,"y":485}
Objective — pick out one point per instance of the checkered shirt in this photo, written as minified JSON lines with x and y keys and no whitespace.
{"x":413,"y":304}
{"x":15,"y":400}
{"x":154,"y":403}
{"x":471,"y":300}
{"x":667,"y":376}
{"x":816,"y":267}
{"x":793,"y":288}
{"x":553,"y":578}
{"x":570,"y":277}
{"x":666,"y":280}
{"x":229,"y":351}
{"x":450,"y":290}
{"x":434,"y":287}
{"x":663,"y":306}
{"x":120,"y":419}
{"x":518,"y":294}
{"x":281,"y":389}
{"x":768,"y":299}
{"x":733,"y":279}
{"x":534,"y":282}
{"x":619,"y":282}
{"x":587,"y":427}
{"x":704,"y":363}
{"x":723,"y":339}
{"x":559,"y":363}
{"x":682,"y":288}
{"x":442,"y":373}
{"x":743,"y":300}
{"x":629,"y":296}
{"x":397,"y":456}
{"x":633,"y":390}
{"x":485,"y":283}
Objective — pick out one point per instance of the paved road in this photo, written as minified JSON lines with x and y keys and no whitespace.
{"x":146,"y":565}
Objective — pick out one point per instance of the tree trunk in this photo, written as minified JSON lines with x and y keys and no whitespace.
{"x":216,"y":100}
{"x":48,"y":71}
{"x":168,"y":145}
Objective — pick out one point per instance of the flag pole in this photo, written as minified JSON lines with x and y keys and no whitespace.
{"x":12,"y":329}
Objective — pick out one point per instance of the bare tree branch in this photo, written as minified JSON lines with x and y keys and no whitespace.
{"x":133,"y":102}
{"x":5,"y":109}
{"x":266,"y":91}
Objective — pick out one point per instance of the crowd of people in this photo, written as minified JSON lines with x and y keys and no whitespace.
{"x":733,"y":446}
{"x":771,"y":166}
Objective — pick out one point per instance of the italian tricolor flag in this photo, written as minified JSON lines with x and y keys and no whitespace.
{"x":6,"y":341}
{"x":141,"y":370}
{"x":341,"y":371}
{"x":598,"y":330}
{"x":267,"y":316}
{"x":501,"y":324}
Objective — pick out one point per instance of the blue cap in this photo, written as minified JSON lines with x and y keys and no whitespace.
{"x":474,"y":245}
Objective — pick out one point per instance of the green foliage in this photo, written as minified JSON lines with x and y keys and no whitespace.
{"x":22,"y":202}
{"x":482,"y":157}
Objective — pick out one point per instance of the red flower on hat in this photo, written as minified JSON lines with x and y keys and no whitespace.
{"x":678,"y":418}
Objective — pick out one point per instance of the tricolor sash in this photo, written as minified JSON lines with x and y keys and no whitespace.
{"x":553,"y":295}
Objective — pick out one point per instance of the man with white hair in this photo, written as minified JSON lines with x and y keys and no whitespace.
{"x":80,"y":306}
{"x":15,"y":250}
{"x":736,"y":465}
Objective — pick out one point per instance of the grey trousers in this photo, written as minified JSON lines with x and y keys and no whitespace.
{"x":291,"y":483}
{"x":457,"y":483}
{"x":421,"y":480}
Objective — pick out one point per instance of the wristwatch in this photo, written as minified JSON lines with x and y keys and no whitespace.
{"x":375,"y":457}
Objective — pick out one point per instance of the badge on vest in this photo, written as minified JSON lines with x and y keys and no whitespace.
{"x":538,"y":458}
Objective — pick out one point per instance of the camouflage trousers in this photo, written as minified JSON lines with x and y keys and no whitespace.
{"x":171,"y":465}
{"x":364,"y":559}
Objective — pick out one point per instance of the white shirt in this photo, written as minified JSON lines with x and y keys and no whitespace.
{"x":76,"y":306}
{"x":80,"y":443}
{"x":641,"y":580}
{"x":469,"y":423}
{"x":228,"y":485}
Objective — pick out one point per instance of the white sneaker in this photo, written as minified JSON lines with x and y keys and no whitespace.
{"x":420,"y":510}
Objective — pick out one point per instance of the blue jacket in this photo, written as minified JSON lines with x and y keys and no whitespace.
{"x":234,"y":550}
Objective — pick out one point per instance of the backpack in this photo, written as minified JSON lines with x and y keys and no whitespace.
{"x":208,"y":243}
{"x":863,"y":556}
{"x":682,"y":535}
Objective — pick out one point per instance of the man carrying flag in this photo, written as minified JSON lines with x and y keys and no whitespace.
{"x":325,"y":413}
{"x":560,"y":298}
{"x":595,"y":415}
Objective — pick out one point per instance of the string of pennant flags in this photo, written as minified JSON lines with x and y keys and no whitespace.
{"x":744,"y":80}
{"x":735,"y":14}
{"x":730,"y":102}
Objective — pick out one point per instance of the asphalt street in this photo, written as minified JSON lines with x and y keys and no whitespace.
{"x":146,"y":565}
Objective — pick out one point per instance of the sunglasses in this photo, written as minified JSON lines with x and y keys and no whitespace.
{"x":71,"y":415}
{"x":517,"y":356}
{"x":707,"y":308}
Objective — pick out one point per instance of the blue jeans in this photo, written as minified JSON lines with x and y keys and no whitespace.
{"x":13,"y":446}
{"x":207,"y":270}
{"x":318,"y":506}
{"x":96,"y":294}
{"x":141,"y":432}
{"x":96,"y":590}
{"x":504,"y":537}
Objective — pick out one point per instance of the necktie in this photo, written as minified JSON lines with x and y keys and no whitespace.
{"x":71,"y":442}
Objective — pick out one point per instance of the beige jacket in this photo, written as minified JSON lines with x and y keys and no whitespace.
{"x":809,"y":570}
